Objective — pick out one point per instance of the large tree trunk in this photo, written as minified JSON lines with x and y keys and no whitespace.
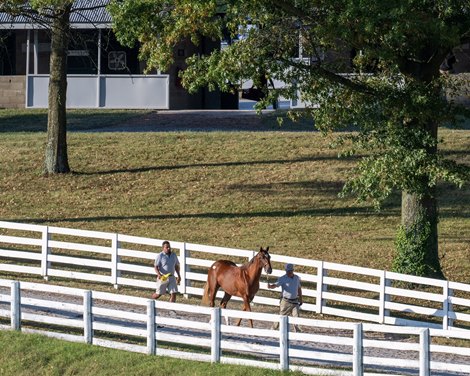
{"x":417,"y":240}
{"x":418,"y":250}
{"x":419,"y":221}
{"x":56,"y":148}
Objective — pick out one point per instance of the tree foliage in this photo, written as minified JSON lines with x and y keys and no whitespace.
{"x":404,"y":42}
{"x":389,"y":89}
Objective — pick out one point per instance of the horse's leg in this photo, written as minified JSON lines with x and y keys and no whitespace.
{"x":223,"y":304}
{"x":212,"y":293}
{"x":225,"y":299}
{"x":246,"y":307}
{"x":213,"y":287}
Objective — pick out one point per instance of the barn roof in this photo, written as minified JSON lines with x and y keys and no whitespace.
{"x":85,"y":14}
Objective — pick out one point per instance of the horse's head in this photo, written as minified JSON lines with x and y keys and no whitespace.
{"x":265,"y":259}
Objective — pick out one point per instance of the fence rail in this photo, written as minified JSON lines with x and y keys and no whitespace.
{"x":329,"y":288}
{"x":341,"y":348}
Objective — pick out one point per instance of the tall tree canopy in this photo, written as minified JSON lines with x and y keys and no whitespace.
{"x":392,"y":93}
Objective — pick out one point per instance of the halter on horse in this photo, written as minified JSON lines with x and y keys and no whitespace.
{"x":242,"y":281}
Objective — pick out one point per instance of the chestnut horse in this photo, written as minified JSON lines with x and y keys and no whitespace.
{"x":242,"y":281}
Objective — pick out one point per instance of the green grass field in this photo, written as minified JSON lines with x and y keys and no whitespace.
{"x":28,"y":354}
{"x":232,"y":189}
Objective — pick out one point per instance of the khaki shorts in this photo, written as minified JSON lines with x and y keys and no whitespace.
{"x":169,"y":286}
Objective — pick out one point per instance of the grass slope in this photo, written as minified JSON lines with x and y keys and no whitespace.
{"x":233,"y":189}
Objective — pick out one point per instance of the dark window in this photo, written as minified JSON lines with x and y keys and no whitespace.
{"x":82,"y":53}
{"x":7,"y":53}
{"x":117,"y":59}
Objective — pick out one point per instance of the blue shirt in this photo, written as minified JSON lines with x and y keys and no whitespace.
{"x":290,"y":286}
{"x":166,"y":263}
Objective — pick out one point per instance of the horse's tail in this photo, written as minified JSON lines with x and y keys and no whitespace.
{"x":205,"y":297}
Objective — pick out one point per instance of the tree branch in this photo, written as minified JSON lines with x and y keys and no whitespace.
{"x":333,"y":77}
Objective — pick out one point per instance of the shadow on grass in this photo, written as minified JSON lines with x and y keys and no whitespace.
{"x":463,"y":123}
{"x":212,"y":164}
{"x":449,"y":153}
{"x":320,"y":212}
{"x":307,"y":186}
{"x":35,"y":121}
{"x":391,"y":207}
{"x":77,"y":120}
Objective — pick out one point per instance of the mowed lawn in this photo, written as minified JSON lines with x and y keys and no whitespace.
{"x":232,"y":189}
{"x":26,"y":354}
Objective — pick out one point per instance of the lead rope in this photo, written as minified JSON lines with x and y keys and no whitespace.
{"x":266,"y":274}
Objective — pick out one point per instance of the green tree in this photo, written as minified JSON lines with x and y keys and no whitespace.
{"x":391,"y":94}
{"x":55,"y":16}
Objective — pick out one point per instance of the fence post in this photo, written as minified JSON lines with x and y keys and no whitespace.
{"x":87,"y":317}
{"x":183,"y":268}
{"x":321,"y":272}
{"x":155,"y":327}
{"x":358,"y":360}
{"x":151,"y":327}
{"x":284,"y":343}
{"x":424,"y":352}
{"x":15,"y":306}
{"x":115,"y":274}
{"x":384,"y":297}
{"x":450,"y":293}
{"x":447,"y":306}
{"x":215,"y":335}
{"x":45,"y":252}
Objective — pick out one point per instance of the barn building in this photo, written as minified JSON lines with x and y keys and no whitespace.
{"x":101,"y":72}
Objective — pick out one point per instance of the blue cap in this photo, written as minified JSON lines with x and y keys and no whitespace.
{"x":289,"y":267}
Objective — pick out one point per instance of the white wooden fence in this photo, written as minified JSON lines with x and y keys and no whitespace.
{"x":334,"y":289}
{"x":198,"y":333}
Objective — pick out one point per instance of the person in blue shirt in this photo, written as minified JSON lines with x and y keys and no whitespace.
{"x":166,"y":264}
{"x":291,"y":294}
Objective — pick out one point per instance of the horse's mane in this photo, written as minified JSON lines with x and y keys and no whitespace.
{"x":246,"y":265}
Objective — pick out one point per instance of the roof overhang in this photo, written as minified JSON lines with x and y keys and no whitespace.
{"x":86,"y":14}
{"x":35,"y":26}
